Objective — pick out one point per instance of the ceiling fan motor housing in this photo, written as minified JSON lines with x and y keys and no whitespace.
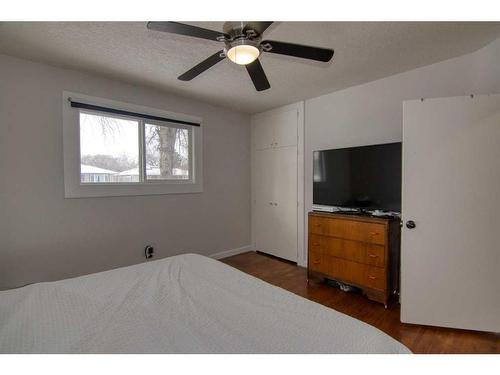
{"x":238,"y":36}
{"x":241,"y":42}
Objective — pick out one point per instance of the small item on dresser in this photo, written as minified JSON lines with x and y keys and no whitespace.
{"x":382,"y":213}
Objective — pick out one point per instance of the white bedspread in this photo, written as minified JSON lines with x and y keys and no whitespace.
{"x":182,"y":304}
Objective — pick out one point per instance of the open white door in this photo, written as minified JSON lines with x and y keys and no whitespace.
{"x":450,"y":261}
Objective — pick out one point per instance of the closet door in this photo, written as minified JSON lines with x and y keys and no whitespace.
{"x":450,"y":258}
{"x":263,"y":134}
{"x":263,"y":207}
{"x":274,"y":183}
{"x":285,"y":128}
{"x":284,"y":198}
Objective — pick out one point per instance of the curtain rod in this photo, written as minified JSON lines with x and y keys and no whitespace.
{"x":128,"y":113}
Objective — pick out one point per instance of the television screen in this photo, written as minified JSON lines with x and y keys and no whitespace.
{"x":367,"y":177}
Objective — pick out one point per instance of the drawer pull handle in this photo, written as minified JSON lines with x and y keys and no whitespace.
{"x":315,"y":261}
{"x":373,"y":256}
{"x":372,"y":277}
{"x":374,"y":233}
{"x":315,"y":243}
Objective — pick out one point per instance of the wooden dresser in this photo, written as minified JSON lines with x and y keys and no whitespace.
{"x":358,"y":250}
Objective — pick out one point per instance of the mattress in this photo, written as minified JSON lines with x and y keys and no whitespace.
{"x":182,"y":304}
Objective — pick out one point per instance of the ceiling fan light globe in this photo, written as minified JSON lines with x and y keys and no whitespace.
{"x":243,"y":54}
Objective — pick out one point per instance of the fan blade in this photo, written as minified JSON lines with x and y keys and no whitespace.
{"x":201,"y":67}
{"x":297,"y":50}
{"x":258,"y":27}
{"x":188,"y":30}
{"x":258,"y":76}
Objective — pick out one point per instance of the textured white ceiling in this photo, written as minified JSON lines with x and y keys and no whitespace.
{"x":364,"y":51}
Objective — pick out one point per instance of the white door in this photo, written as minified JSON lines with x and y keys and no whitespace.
{"x":263,"y":134}
{"x":263,"y":207}
{"x":275,"y":202}
{"x":285,"y":128}
{"x":284,"y":198}
{"x":274,"y":183}
{"x":450,"y":261}
{"x":276,"y":130}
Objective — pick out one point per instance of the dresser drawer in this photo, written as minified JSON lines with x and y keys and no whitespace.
{"x":361,"y":252}
{"x":317,"y":262}
{"x":375,"y":278}
{"x":375,"y":255}
{"x":348,"y":229}
{"x":360,"y":274}
{"x":316,"y":243}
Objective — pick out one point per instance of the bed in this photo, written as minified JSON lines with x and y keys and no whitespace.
{"x":182,"y":304}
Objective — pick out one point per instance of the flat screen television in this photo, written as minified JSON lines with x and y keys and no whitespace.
{"x":367,"y":177}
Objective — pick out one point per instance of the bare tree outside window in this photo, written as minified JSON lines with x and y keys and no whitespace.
{"x":167,"y":152}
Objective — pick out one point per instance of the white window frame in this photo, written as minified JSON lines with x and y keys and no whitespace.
{"x":74,"y":188}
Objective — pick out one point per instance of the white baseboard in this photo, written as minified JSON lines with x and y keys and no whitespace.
{"x":228,"y":253}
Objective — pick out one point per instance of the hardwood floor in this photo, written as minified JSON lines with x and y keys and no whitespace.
{"x":419,"y":339}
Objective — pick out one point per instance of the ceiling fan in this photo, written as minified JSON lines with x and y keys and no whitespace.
{"x":243,"y":45}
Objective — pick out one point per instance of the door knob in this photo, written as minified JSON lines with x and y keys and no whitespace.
{"x":410,"y":224}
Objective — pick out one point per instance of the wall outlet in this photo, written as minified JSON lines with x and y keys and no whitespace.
{"x":149,"y":251}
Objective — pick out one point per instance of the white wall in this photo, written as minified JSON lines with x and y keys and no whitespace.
{"x":372,"y":113}
{"x":46,"y":237}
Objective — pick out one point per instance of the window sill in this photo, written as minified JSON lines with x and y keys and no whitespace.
{"x":139,"y":188}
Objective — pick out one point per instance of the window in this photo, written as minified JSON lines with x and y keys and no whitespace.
{"x":167,"y":152}
{"x":111,"y":152}
{"x":109,"y":148}
{"x":128,"y":150}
